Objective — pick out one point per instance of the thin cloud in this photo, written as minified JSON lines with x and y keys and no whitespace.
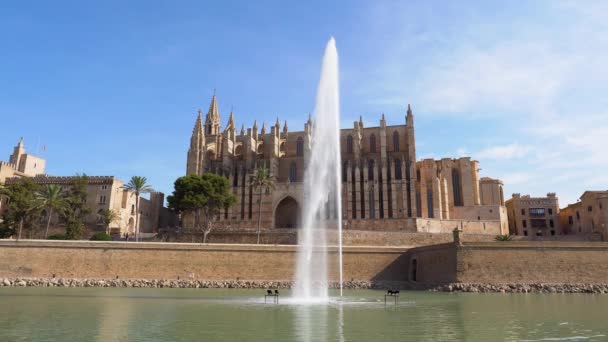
{"x":510,"y":151}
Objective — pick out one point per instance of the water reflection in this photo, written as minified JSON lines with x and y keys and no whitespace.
{"x":310,"y":322}
{"x":113,"y":320}
{"x":58,"y":314}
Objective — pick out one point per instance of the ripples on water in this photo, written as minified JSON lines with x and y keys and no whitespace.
{"x":90,"y":314}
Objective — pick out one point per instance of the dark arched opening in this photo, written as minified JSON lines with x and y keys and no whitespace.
{"x":287,"y":214}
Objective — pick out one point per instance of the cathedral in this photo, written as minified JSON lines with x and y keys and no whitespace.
{"x":384,"y":186}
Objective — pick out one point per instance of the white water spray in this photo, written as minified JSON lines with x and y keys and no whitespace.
{"x":322,"y":207}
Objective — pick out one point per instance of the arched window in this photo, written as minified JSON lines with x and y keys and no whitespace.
{"x":293,"y":172}
{"x":261,"y":148}
{"x":396,"y":141}
{"x":345,"y":171}
{"x":372,"y":143}
{"x":209,"y":129}
{"x":300,"y":147}
{"x":397,"y":169}
{"x":282,"y":147}
{"x":370,"y":169}
{"x":457,"y":188}
{"x":238,"y":151}
{"x":349,"y":144}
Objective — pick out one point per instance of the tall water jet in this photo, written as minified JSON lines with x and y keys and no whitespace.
{"x":322,"y":205}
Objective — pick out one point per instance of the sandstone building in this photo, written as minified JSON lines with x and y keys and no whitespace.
{"x":104,"y":192}
{"x":384,"y":186}
{"x":588,"y":215}
{"x":534,"y":216}
{"x":107,"y":193}
{"x":21,"y":164}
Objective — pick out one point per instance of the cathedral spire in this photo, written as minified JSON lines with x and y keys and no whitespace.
{"x":277,"y":124}
{"x":243,"y":129}
{"x":197,"y":142}
{"x":263,"y":128}
{"x":213,"y":119}
{"x":409,"y":119}
{"x":230,"y":123}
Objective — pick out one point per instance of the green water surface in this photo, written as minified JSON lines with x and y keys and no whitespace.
{"x":108,"y":314}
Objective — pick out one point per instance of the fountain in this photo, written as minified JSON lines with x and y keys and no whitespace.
{"x":322,"y":205}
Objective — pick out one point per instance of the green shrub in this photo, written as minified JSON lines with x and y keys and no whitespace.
{"x":505,"y":237}
{"x":57,"y":237}
{"x":100,"y":237}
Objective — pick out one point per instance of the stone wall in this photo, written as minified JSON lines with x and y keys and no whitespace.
{"x":359,"y":238}
{"x":108,"y":260}
{"x":513,"y":262}
{"x":492,"y":228}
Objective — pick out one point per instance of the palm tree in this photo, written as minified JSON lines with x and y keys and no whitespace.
{"x":262,"y":180}
{"x":138,"y":186}
{"x":107,"y":216}
{"x":51,"y":198}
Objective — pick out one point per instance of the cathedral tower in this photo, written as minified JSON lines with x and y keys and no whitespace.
{"x":196,"y":152}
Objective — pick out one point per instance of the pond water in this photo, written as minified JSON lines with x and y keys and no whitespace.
{"x":127,"y":314}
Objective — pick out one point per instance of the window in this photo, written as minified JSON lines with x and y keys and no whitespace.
{"x":397,"y":169}
{"x":538,"y":223}
{"x":349,"y":144}
{"x":104,"y":187}
{"x":578,"y":216}
{"x":293,"y":172}
{"x":570,"y":221}
{"x":551,"y":223}
{"x":456,"y":188}
{"x":553,"y":232}
{"x":418,"y":175}
{"x":370,"y":170}
{"x":550,"y":211}
{"x":396,"y":141}
{"x":345,"y":172}
{"x":132,"y":209}
{"x":102,"y":199}
{"x":525,"y":232}
{"x":537,"y":211}
{"x":524,"y":223}
{"x":429,"y":201}
{"x":589,"y":208}
{"x":523,"y":212}
{"x":300,"y":147}
{"x":372,"y":203}
{"x":372,"y":144}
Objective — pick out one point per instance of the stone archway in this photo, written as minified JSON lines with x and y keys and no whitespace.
{"x":287,"y":213}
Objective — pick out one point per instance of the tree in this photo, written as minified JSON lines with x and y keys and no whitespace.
{"x":203,"y":196}
{"x":22,"y":204}
{"x":76,"y":209}
{"x":108,"y":216}
{"x":52,"y":199}
{"x":262,"y":181}
{"x":137,"y":185}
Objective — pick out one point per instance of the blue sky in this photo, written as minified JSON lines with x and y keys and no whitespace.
{"x":112,"y":87}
